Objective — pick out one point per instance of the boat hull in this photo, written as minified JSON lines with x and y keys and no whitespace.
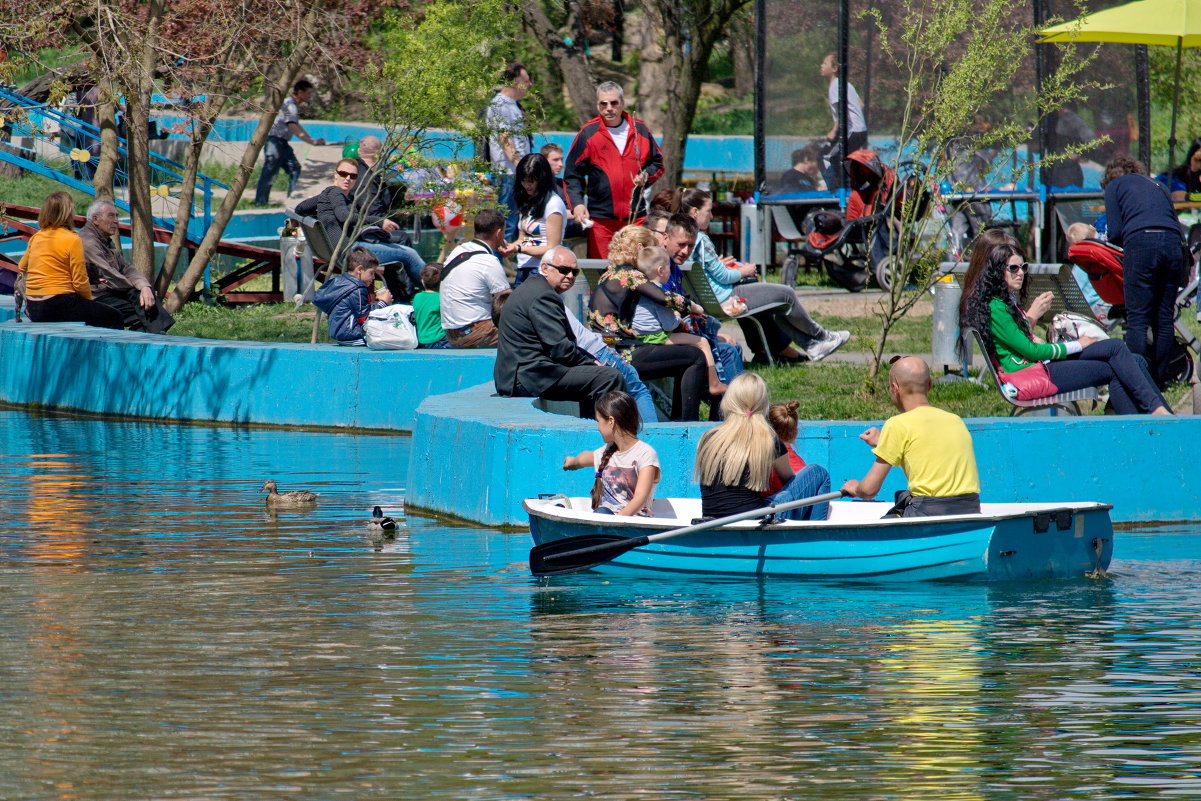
{"x":1027,"y":541}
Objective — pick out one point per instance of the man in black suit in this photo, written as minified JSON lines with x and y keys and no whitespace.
{"x":537,"y":355}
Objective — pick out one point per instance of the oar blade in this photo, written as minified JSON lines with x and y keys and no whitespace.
{"x":574,"y":554}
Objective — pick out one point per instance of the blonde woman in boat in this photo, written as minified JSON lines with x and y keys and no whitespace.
{"x":735,"y":460}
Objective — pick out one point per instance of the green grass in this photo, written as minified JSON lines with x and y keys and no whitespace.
{"x":31,"y":190}
{"x":839,"y":391}
{"x":258,"y":322}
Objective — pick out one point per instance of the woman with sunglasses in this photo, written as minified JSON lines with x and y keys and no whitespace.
{"x":341,"y":215}
{"x":541,"y":212}
{"x":994,"y":309}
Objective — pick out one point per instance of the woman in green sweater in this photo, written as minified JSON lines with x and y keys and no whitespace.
{"x":994,"y":309}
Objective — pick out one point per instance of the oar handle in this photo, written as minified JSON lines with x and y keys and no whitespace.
{"x":753,"y":513}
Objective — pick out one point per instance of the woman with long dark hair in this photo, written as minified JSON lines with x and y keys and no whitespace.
{"x":994,"y":309}
{"x":541,"y":212}
{"x":1186,"y":179}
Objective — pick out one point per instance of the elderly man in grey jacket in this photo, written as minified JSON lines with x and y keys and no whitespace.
{"x":115,"y":282}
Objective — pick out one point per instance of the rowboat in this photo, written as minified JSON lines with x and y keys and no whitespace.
{"x":1005,"y":541}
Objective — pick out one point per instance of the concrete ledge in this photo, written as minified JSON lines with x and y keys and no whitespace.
{"x":72,"y":366}
{"x":476,"y":457}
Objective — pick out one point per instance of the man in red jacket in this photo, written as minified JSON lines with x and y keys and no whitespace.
{"x":612,"y":161}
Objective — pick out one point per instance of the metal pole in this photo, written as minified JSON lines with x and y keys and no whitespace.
{"x":844,"y":47}
{"x":1040,"y":69}
{"x":1142,"y":78}
{"x":1175,"y":105}
{"x":760,"y":70}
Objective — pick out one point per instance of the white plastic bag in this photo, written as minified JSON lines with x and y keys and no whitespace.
{"x":391,"y":328}
{"x":1070,"y":326}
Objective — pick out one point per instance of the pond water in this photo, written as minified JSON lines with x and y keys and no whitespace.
{"x":163,"y":637}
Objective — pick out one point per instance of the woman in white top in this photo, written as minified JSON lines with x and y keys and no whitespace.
{"x":542,"y":213}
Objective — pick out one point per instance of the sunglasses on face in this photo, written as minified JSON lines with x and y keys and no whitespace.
{"x":608,"y":103}
{"x":344,"y":174}
{"x":570,"y":271}
{"x":1014,"y":269}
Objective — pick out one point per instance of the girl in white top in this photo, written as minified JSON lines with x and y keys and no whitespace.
{"x":627,"y":469}
{"x":541,"y":211}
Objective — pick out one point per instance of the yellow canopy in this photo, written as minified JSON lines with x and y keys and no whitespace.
{"x":1167,"y":23}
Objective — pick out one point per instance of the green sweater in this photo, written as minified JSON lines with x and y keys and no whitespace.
{"x":1014,"y":347}
{"x":427,"y":308}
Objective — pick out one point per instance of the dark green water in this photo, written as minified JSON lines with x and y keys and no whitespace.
{"x":163,"y":637}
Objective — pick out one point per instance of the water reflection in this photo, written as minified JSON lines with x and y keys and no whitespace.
{"x":165,"y":636}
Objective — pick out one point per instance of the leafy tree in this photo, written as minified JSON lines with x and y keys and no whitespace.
{"x":956,"y":58}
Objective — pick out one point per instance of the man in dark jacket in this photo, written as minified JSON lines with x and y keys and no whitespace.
{"x":612,"y":162}
{"x":115,"y":282}
{"x":538,"y":355}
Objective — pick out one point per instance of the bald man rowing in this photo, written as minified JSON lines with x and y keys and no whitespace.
{"x":932,"y":446}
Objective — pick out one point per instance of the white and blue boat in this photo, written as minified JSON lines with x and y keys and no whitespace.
{"x":1006,"y":541}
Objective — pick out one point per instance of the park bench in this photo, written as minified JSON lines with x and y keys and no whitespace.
{"x":697,"y":285}
{"x":1064,"y":402}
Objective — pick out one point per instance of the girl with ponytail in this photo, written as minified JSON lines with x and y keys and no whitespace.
{"x":735,"y":460}
{"x":627,"y":469}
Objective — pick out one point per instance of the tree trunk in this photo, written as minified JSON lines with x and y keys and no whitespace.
{"x":658,"y":66}
{"x":670,"y":26}
{"x":741,"y":39}
{"x":106,"y":119}
{"x":138,"y":88}
{"x":581,"y":88}
{"x":202,"y":127}
{"x":275,"y":93}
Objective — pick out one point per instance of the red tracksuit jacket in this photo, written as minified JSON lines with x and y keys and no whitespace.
{"x":597,"y":175}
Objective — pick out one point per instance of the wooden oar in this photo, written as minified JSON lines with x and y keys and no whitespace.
{"x":573,"y":554}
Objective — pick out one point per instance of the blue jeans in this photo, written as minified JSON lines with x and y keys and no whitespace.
{"x":812,"y":480}
{"x":276,"y":153}
{"x":1151,"y":277}
{"x":504,"y":196}
{"x":439,"y":345}
{"x":1108,"y":362}
{"x":389,"y":252}
{"x":634,"y":386}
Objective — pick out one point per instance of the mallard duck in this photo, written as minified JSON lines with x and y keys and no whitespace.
{"x":380,"y":523}
{"x":293,"y":498}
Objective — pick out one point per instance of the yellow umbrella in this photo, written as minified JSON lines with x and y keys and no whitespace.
{"x":1165,"y":23}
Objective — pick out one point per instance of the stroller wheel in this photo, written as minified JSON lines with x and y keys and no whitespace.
{"x":789,"y":272}
{"x":882,"y":273}
{"x":1181,"y":368}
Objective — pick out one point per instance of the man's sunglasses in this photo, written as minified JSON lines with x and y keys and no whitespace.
{"x":346,"y":174}
{"x":1018,"y":268}
{"x":572,"y":271}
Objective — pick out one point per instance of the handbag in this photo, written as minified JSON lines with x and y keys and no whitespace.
{"x":1031,"y":382}
{"x":1070,"y":326}
{"x":391,"y":328}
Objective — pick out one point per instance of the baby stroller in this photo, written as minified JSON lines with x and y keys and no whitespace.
{"x":874,"y":206}
{"x":1103,"y":264}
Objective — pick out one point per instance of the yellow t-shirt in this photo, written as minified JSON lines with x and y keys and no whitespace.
{"x":934,"y":449}
{"x":55,"y":264}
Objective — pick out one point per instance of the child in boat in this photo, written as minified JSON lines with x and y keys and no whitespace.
{"x":782,"y":418}
{"x":656,"y":324}
{"x":627,"y":469}
{"x":734,"y":460}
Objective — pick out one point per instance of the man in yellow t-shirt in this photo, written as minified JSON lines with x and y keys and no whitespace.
{"x":931,"y":445}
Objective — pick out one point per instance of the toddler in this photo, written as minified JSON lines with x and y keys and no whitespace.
{"x":656,"y":324}
{"x":427,"y":309}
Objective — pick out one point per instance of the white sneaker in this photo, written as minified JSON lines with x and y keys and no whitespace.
{"x":832,"y":341}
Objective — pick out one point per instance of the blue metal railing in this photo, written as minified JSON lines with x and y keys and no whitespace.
{"x":75,"y":138}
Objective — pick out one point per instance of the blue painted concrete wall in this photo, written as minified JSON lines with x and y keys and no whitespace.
{"x":477,"y":457}
{"x":8,"y":309}
{"x":71,"y":366}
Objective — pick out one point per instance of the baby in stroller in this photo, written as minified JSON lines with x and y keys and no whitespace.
{"x":873,"y":206}
{"x":1102,"y":262}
